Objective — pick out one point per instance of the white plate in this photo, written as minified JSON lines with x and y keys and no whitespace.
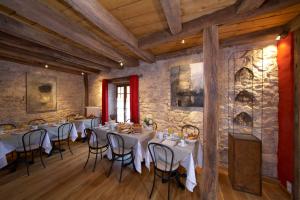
{"x":182,"y":145}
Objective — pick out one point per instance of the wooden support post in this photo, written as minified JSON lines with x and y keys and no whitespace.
{"x":209,"y":177}
{"x":296,"y":186}
{"x":86,"y":92}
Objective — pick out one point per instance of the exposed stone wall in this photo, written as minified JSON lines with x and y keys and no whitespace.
{"x":155,"y":99}
{"x":70,"y":94}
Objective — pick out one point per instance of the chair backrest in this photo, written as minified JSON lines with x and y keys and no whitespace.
{"x":70,"y":117}
{"x":64,"y":131}
{"x":187,"y":129}
{"x":5,"y":127}
{"x":95,"y":122}
{"x":37,"y":122}
{"x":161,"y":155}
{"x":33,"y":137}
{"x":116,"y":142}
{"x":92,"y":137}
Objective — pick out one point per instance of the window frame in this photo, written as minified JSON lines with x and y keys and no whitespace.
{"x":124,"y":85}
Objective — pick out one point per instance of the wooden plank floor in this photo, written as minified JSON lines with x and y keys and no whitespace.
{"x":66,"y":179}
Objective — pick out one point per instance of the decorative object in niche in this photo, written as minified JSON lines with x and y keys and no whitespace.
{"x":187,"y":88}
{"x":243,"y":119}
{"x":245,"y":96}
{"x":244,"y":75}
{"x":41,"y":93}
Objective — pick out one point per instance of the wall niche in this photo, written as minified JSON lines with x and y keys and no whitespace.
{"x":245,"y":96}
{"x":243,"y":119}
{"x":244,"y":75}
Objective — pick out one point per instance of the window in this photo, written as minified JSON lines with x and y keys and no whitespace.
{"x":123,"y":103}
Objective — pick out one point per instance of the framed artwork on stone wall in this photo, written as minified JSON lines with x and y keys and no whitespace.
{"x":187,"y":86}
{"x":41,"y":93}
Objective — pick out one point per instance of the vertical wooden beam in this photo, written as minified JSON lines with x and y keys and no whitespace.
{"x":209,"y":178}
{"x":296,"y":186}
{"x":86,"y":92}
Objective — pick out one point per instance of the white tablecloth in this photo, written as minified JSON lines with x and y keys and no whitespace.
{"x":53,"y":131}
{"x":186,"y":156}
{"x":82,"y":124}
{"x":10,"y":142}
{"x":137,"y":141}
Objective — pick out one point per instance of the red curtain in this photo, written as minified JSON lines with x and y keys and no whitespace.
{"x":134,"y":98}
{"x":285,"y":109}
{"x":104,"y":101}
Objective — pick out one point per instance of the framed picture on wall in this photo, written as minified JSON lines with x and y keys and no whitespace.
{"x":187,"y":87}
{"x":41,"y":93}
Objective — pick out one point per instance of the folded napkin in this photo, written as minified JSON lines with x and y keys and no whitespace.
{"x":169,"y":142}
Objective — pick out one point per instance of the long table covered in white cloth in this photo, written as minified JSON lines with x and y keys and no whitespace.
{"x":189,"y":157}
{"x":138,"y":141}
{"x":52,"y":130}
{"x":11,"y":140}
{"x":82,"y":124}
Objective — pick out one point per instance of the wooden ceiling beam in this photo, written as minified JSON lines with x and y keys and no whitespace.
{"x":223,"y":16}
{"x":56,"y":21}
{"x":32,"y":63}
{"x":18,"y":29}
{"x":249,"y":5}
{"x":248,"y":38}
{"x":21,"y":53}
{"x":103,"y":19}
{"x":293,"y":25}
{"x":172,"y":12}
{"x":36,"y":48}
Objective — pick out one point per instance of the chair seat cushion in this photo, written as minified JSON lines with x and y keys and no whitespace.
{"x":119,"y":151}
{"x":101,"y":143}
{"x":166,"y":166}
{"x":28,"y":148}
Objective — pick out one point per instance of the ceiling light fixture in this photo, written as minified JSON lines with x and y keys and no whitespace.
{"x":278,"y":37}
{"x":121,"y":64}
{"x":82,"y":73}
{"x":182,"y":41}
{"x":46,"y":66}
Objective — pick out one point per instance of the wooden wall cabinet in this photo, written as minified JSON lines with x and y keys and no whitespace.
{"x":244,"y":163}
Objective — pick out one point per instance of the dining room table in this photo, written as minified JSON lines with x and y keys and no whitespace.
{"x":188,"y":154}
{"x":10,"y":140}
{"x":82,"y":124}
{"x":52,"y":130}
{"x":138,"y":141}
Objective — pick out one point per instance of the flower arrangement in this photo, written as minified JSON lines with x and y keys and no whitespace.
{"x":148,"y":121}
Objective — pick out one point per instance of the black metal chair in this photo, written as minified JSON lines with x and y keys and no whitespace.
{"x":163,"y":158}
{"x":7,"y":126}
{"x":37,"y":122}
{"x":63,"y":135}
{"x":95,"y":122}
{"x":32,"y":141}
{"x":188,"y":129}
{"x":96,"y":145}
{"x":119,"y":152}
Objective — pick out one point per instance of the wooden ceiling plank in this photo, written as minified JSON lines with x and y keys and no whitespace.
{"x":18,"y":29}
{"x":249,"y":5}
{"x":293,"y":25}
{"x":32,"y":63}
{"x":55,"y":21}
{"x":172,"y":12}
{"x":224,"y":16}
{"x":248,"y":38}
{"x":21,"y":53}
{"x":98,"y":15}
{"x":36,"y":48}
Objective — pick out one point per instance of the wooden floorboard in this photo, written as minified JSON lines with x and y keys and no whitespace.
{"x":66,"y":179}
